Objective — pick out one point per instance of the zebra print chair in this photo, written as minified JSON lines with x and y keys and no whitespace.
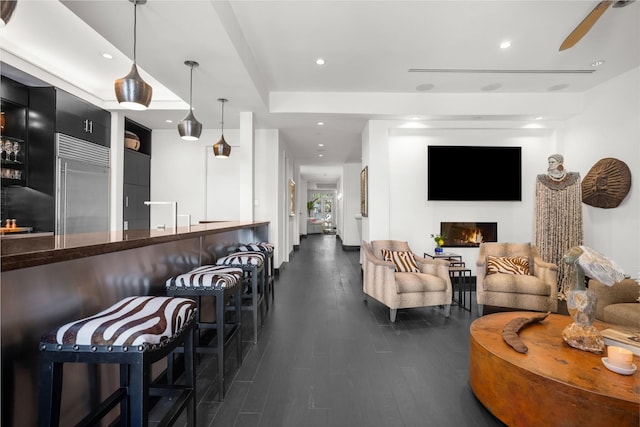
{"x":513,"y":275}
{"x":252,"y":264}
{"x":134,"y":333}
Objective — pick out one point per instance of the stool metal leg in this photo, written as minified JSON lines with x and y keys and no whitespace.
{"x":139,"y":381}
{"x":220,"y":338}
{"x":190,"y":373}
{"x":254,"y":299}
{"x":50,"y":393}
{"x":237,"y":299}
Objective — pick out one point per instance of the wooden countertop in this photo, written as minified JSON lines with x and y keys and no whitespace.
{"x":39,"y":250}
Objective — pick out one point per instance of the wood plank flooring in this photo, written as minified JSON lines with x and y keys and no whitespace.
{"x":325,"y":357}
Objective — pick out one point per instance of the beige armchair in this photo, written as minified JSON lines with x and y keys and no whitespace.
{"x":617,"y":304}
{"x":430,"y":286}
{"x":536,"y":291}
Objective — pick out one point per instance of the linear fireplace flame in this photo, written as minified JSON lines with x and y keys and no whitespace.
{"x":468,"y":234}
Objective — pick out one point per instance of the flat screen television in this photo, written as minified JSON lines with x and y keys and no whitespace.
{"x":471,"y":173}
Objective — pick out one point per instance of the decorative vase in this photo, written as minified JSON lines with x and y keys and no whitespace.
{"x":439,"y":249}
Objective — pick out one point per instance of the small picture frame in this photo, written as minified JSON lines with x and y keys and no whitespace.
{"x":364,"y":203}
{"x":292,"y":198}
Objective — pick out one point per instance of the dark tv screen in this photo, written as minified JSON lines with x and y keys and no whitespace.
{"x":470,"y":173}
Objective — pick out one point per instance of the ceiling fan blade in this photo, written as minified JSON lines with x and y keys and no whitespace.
{"x":585,"y":25}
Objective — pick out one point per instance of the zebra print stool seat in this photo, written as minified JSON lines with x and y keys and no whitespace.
{"x":219,"y":282}
{"x":267,"y":249}
{"x":252,"y":263}
{"x":134,"y":333}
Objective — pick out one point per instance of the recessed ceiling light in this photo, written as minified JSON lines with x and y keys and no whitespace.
{"x":539,"y":118}
{"x":558,"y":87}
{"x":169,"y":121}
{"x":320,"y":155}
{"x":491,"y":87}
{"x":320,"y":123}
{"x":107,"y":55}
{"x":321,"y":145}
{"x":505,"y":44}
{"x":597,"y":63}
{"x":424,"y":87}
{"x":319,"y":61}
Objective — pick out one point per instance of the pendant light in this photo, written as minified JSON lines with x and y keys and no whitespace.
{"x":6,"y":10}
{"x":131,"y":91}
{"x":190,"y":128}
{"x":221,"y":148}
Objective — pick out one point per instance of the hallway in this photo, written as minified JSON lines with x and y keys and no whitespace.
{"x":327,"y":358}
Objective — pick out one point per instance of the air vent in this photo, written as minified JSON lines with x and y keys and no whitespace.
{"x":483,"y":71}
{"x":326,"y":186}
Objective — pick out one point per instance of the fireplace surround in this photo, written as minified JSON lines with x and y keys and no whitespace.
{"x":468,"y":234}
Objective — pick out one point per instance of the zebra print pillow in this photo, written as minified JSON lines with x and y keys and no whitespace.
{"x":508,"y":265}
{"x":403,"y":260}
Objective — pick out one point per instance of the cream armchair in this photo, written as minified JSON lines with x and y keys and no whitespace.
{"x":617,"y":304}
{"x":535,"y":290}
{"x":431,"y":286}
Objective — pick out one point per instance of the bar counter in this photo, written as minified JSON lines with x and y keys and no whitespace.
{"x":29,"y":250}
{"x":48,"y":280}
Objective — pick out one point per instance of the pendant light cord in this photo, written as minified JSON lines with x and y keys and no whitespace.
{"x":222,"y":127}
{"x":191,"y":90}
{"x":135,"y":22}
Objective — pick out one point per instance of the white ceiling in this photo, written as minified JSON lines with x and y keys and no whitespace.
{"x":261,"y":56}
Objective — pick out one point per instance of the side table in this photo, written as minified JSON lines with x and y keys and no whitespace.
{"x":462,"y":277}
{"x":444,"y":255}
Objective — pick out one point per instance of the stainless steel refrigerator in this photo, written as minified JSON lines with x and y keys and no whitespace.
{"x":82,"y":186}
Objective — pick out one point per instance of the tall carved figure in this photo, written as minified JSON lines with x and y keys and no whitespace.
{"x":558,"y":217}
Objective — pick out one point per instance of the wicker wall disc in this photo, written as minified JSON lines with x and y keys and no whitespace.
{"x":607,"y":183}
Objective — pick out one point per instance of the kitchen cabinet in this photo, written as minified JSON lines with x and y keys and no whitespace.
{"x":13,"y":143}
{"x":81,"y":119}
{"x":137,"y":184}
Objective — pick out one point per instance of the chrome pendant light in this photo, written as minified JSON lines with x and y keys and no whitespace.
{"x":6,"y":10}
{"x":190,"y":128}
{"x":221,"y":148}
{"x":131,"y":91}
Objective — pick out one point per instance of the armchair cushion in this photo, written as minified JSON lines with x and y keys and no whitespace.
{"x":508,"y":265}
{"x":403,"y":260}
{"x":409,"y":282}
{"x":517,"y":284}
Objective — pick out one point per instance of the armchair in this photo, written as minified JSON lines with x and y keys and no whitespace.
{"x":513,"y":275}
{"x":430,"y":285}
{"x":617,"y":304}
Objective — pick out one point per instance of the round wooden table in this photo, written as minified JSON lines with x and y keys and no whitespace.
{"x":552,"y":384}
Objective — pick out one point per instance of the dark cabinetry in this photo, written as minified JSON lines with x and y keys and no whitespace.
{"x":137,"y":188}
{"x":78,"y":118}
{"x":13,"y":133}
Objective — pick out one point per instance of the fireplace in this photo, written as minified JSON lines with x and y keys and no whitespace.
{"x":468,"y":234}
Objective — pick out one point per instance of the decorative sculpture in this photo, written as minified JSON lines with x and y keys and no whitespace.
{"x":558,"y":217}
{"x":607,"y":183}
{"x":581,"y":302}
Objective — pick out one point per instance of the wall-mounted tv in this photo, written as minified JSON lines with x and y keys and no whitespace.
{"x":473,"y":173}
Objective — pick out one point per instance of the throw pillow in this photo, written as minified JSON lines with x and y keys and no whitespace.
{"x":403,"y":260}
{"x":509,"y":265}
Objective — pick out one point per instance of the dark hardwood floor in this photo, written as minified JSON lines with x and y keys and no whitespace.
{"x":325,"y":357}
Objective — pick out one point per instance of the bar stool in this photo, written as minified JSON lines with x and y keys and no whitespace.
{"x":252,"y":264}
{"x":134,"y":333}
{"x":219,"y":282}
{"x":267,"y":249}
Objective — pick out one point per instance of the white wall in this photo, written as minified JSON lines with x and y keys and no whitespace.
{"x":210,"y":188}
{"x":413,"y":218}
{"x":610,"y":127}
{"x":351,"y":225}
